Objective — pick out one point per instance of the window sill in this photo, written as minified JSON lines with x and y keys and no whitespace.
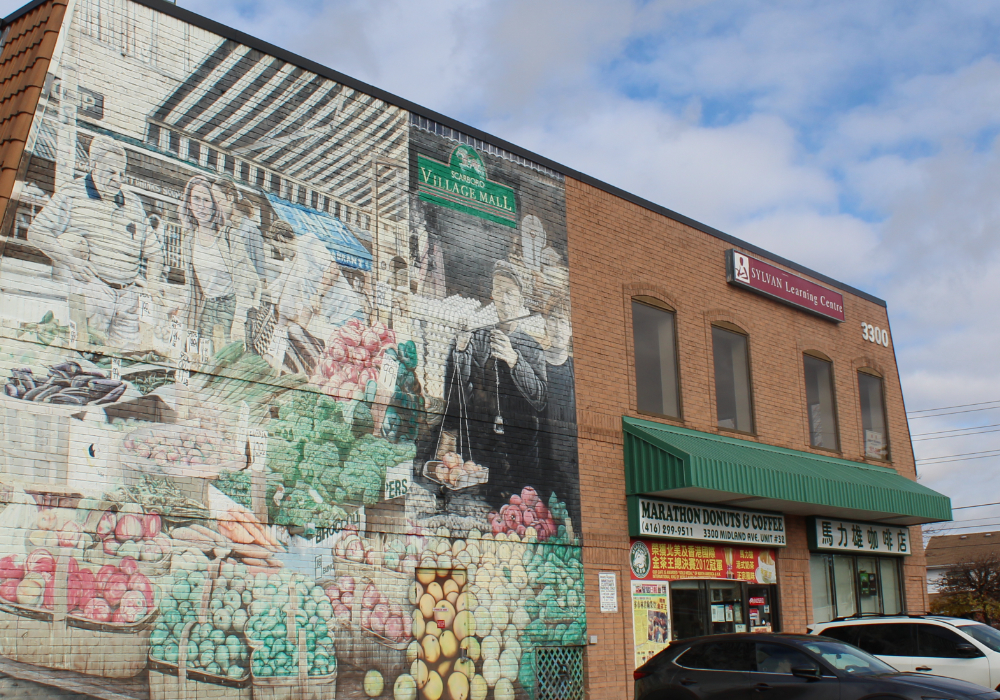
{"x":661,"y":416}
{"x":827,"y":450}
{"x":734,"y":431}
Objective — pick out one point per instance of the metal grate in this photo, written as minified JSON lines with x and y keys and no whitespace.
{"x":559,"y":673}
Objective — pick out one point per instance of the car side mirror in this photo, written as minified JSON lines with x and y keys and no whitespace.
{"x":968,"y":651}
{"x":810,"y":672}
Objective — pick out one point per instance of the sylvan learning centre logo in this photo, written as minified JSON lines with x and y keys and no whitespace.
{"x":639,"y":559}
{"x":741,"y":267}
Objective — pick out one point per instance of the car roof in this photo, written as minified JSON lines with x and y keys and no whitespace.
{"x":747,"y":636}
{"x":877,"y":619}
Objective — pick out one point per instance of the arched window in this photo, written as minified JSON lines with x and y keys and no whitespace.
{"x":655,"y":346}
{"x":733,"y":400}
{"x":873,"y":421}
{"x":821,"y":404}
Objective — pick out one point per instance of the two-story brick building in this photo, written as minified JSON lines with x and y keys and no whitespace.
{"x":308,"y":389}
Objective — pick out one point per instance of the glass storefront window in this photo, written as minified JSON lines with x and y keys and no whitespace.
{"x":844,"y":585}
{"x":892,"y":597}
{"x":655,"y":360}
{"x":873,"y":416}
{"x":732,"y":380}
{"x":868,"y":584}
{"x":821,"y":411}
{"x":822,"y":590}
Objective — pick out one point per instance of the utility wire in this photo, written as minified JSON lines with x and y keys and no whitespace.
{"x":959,"y":433}
{"x":925,"y":460}
{"x":945,"y":408}
{"x":977,"y":505}
{"x":952,"y":413}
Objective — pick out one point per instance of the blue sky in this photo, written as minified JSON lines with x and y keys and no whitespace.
{"x":858,"y":138}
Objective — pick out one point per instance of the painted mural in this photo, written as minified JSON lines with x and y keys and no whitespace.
{"x":288,"y":396}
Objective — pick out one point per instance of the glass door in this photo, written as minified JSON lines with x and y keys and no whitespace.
{"x":726,"y":606}
{"x":689,"y":609}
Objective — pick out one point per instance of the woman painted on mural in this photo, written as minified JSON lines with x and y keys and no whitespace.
{"x":217,"y":285}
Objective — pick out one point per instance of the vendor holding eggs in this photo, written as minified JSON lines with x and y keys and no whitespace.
{"x":496,"y":392}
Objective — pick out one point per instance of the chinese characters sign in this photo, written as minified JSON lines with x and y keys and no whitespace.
{"x":669,"y":561}
{"x":827,"y":534}
{"x":655,"y":517}
{"x":758,"y":276}
{"x":650,"y":619}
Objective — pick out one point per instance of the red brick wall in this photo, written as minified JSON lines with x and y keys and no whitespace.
{"x":618,"y":250}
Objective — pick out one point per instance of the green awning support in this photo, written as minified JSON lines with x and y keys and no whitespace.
{"x":664,"y":460}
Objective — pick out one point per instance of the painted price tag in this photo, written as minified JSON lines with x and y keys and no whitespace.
{"x":116,"y":368}
{"x":205,"y":349}
{"x":258,"y":448}
{"x":145,"y":308}
{"x":175,"y":333}
{"x":397,"y":480}
{"x":183,"y":375}
{"x":388,"y":372}
{"x":192,"y":345}
{"x":72,"y":333}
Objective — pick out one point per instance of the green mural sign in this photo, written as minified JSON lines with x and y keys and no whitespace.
{"x":462,"y":185}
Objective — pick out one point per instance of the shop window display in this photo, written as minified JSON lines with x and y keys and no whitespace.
{"x":873,"y":421}
{"x":732,"y":380}
{"x":821,"y":410}
{"x":655,"y":360}
{"x":844,"y":585}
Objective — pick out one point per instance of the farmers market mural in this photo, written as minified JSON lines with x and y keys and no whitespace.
{"x":288,"y":387}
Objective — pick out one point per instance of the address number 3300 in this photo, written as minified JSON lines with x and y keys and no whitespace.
{"x":874,"y":334}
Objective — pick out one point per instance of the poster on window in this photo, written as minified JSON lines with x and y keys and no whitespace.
{"x":650,"y":618}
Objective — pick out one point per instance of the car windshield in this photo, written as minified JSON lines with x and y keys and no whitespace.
{"x":849,"y":659}
{"x":984,"y":634}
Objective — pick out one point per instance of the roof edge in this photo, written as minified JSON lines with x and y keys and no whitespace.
{"x":228,"y":32}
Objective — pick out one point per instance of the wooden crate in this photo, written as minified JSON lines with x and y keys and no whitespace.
{"x":35,"y":440}
{"x":56,"y":640}
{"x":178,"y":682}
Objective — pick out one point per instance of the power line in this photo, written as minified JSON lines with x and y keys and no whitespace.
{"x":977,"y":505}
{"x":945,"y":408}
{"x":952,"y":413}
{"x":959,"y":454}
{"x":946,"y":437}
{"x":956,"y":430}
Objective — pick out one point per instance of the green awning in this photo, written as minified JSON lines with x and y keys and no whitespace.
{"x":663,"y":460}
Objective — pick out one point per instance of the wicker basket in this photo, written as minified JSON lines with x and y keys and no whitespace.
{"x":178,"y":682}
{"x":56,"y":640}
{"x":301,"y":686}
{"x":369,"y":649}
{"x":152,"y":569}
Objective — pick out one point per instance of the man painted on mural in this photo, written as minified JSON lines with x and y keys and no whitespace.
{"x":97,"y":235}
{"x":495,"y":389}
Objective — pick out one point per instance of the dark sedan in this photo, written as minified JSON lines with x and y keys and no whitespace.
{"x":786,"y":667}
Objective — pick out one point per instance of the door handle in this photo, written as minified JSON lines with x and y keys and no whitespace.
{"x":761,"y":687}
{"x":924,"y":668}
{"x":688,"y":681}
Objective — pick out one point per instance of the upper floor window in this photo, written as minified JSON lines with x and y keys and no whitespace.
{"x":820,"y":405}
{"x":655,"y":346}
{"x":873,"y":416}
{"x":733,"y":404}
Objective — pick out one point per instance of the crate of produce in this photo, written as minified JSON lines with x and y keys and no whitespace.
{"x":294,"y":655}
{"x":455,"y":474}
{"x":128,"y":532}
{"x":379,"y":630}
{"x":171,"y":681}
{"x":96,"y":623}
{"x":200,"y":640}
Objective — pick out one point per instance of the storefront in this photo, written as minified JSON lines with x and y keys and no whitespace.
{"x":700,"y":563}
{"x":699,"y":570}
{"x":856,"y":567}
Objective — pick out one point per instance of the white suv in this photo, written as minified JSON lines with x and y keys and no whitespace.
{"x":942,"y":646}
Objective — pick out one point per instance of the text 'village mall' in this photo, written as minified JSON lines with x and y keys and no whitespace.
{"x":310,"y":389}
